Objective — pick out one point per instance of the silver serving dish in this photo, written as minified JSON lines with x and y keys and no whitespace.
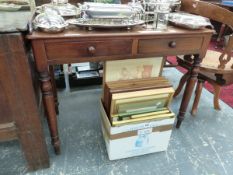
{"x":155,"y":5}
{"x":9,"y":7}
{"x":59,"y":1}
{"x":50,"y":23}
{"x":64,"y":10}
{"x":101,"y":10}
{"x":105,"y":23}
{"x":189,"y":21}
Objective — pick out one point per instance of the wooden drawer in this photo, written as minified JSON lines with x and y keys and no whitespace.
{"x":166,"y":46}
{"x":68,"y":49}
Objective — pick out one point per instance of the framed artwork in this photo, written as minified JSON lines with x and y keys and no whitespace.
{"x":138,"y":102}
{"x":133,"y":69}
{"x":113,"y":87}
{"x":158,"y":115}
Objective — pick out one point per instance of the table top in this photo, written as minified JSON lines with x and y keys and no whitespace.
{"x":76,"y":32}
{"x":14,"y":21}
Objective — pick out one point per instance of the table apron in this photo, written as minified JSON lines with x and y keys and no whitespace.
{"x":71,"y":51}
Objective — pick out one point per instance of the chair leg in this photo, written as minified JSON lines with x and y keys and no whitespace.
{"x":183,"y":80}
{"x":217,"y":90}
{"x":197,"y":96}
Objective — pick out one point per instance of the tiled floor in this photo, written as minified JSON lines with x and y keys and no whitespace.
{"x":203,"y":145}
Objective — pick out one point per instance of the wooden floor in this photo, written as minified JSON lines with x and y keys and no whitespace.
{"x":203,"y":145}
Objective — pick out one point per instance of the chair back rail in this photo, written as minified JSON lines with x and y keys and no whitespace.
{"x":208,"y":10}
{"x":226,"y":53}
{"x":216,"y":13}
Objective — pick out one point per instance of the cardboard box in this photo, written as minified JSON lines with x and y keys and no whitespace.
{"x":135,"y":139}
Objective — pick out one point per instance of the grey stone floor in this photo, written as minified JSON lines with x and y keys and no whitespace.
{"x":202,"y":146}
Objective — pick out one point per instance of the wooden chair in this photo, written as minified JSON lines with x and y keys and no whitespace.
{"x":216,"y":67}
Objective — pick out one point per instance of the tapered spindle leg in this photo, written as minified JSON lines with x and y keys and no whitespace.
{"x":51,"y":72}
{"x":48,"y":99}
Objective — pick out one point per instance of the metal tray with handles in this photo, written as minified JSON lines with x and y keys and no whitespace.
{"x":105,"y":23}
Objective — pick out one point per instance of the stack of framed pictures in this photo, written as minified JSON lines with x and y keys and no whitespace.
{"x":138,"y":106}
{"x":114,"y":87}
{"x":135,"y":91}
{"x":135,"y":114}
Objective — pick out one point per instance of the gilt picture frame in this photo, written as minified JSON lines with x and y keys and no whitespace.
{"x":157,"y":98}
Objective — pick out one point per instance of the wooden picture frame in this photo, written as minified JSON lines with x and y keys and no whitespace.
{"x":164,"y":94}
{"x":111,"y":88}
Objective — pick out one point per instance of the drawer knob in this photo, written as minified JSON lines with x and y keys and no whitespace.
{"x":172,"y":44}
{"x":91,"y":50}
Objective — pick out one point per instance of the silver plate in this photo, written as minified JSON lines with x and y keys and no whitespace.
{"x":189,"y":21}
{"x":64,"y":10}
{"x":103,"y":23}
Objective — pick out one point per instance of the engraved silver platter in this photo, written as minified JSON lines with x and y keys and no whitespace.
{"x":189,"y":21}
{"x":91,"y":23}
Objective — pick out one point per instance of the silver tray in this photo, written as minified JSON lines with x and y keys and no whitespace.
{"x":103,"y":23}
{"x":189,"y":21}
{"x":64,"y":10}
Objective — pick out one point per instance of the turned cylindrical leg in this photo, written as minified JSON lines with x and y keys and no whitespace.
{"x":188,"y":90}
{"x":51,"y":72}
{"x":48,"y":99}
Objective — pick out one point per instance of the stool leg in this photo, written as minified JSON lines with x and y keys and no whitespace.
{"x":183,"y":80}
{"x":217,"y":90}
{"x":197,"y":96}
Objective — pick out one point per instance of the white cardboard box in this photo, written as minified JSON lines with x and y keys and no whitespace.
{"x":135,"y":139}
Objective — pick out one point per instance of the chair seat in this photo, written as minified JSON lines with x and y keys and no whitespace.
{"x":211,"y":62}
